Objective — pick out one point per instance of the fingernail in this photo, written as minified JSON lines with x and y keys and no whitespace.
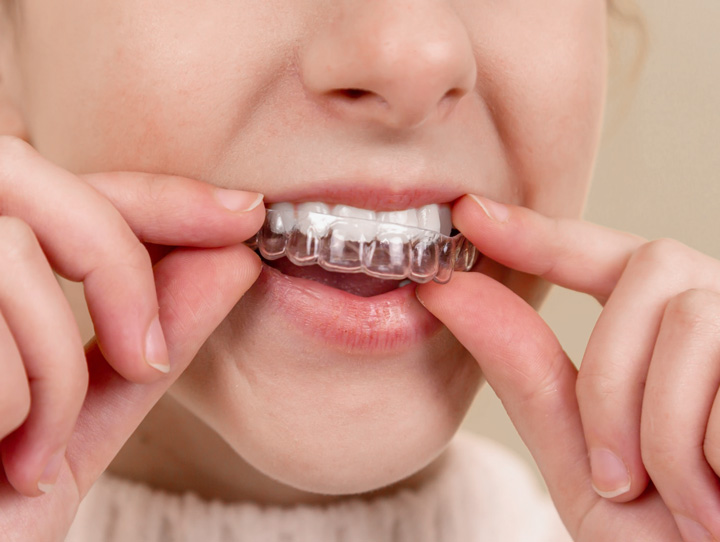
{"x":610,"y":476}
{"x":237,"y":200}
{"x":692,"y":531}
{"x":494,"y":210}
{"x":156,"y":354}
{"x":52,"y":470}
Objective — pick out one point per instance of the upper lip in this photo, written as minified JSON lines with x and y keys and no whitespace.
{"x":378,"y":195}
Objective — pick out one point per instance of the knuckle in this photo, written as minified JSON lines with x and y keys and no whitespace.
{"x":72,"y":378}
{"x":13,"y":151}
{"x":14,"y":407}
{"x":595,"y":387}
{"x":65,"y":386}
{"x":128,"y":253}
{"x":12,"y":147}
{"x":696,"y":311}
{"x":78,"y":384}
{"x":17,"y":240}
{"x":137,"y":256}
{"x":158,"y":189}
{"x":711,"y":450}
{"x":659,"y":450}
{"x":540,"y":378}
{"x":10,"y":144}
{"x":69,"y":395}
{"x":660,"y":253}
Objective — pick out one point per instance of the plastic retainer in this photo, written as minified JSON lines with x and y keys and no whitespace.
{"x":344,"y":245}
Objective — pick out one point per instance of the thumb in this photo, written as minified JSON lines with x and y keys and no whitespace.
{"x":524,"y":363}
{"x":196,"y":288}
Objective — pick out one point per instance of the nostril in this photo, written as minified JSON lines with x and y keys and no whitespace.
{"x":452,"y":95}
{"x":353,"y":93}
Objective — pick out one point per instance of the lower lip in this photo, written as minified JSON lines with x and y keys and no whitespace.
{"x":383,"y":323}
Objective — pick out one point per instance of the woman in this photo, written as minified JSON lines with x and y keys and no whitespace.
{"x":285,"y":388}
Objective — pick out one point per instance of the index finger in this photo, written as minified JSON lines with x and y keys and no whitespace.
{"x":177,"y":211}
{"x":197,"y":288}
{"x":524,"y":363}
{"x":571,"y":253}
{"x":85,"y":239}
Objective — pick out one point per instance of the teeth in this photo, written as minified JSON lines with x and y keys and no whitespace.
{"x":428,"y":218}
{"x":362,"y":230}
{"x":413,"y":244}
{"x":434,"y":217}
{"x":285,"y":217}
{"x":353,"y":212}
{"x":307,"y":218}
{"x":445,"y":217}
{"x":409,"y":217}
{"x":396,"y":227}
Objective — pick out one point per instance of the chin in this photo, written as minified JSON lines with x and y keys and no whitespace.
{"x":351,"y":453}
{"x":330,"y":420}
{"x":334,"y":461}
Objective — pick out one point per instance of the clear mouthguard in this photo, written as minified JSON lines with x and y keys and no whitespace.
{"x":356,"y":245}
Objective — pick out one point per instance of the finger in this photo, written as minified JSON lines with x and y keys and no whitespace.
{"x":526,"y":366}
{"x":682,"y":384}
{"x":49,"y":343}
{"x":85,"y":239}
{"x":197,"y":289}
{"x":618,"y":357}
{"x":14,"y":389}
{"x":177,"y":211}
{"x":593,"y":259}
{"x":571,"y":253}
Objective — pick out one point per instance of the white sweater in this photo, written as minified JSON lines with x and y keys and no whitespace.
{"x":483,"y":494}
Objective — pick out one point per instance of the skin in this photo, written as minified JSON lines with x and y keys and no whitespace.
{"x":504,"y":101}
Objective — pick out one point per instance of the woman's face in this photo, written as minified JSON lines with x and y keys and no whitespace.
{"x":379,"y":104}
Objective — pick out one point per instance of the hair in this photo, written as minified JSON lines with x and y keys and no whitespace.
{"x":628,"y":44}
{"x":626,"y":12}
{"x":627,"y":38}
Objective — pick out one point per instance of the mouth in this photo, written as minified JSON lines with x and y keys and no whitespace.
{"x":361,"y":251}
{"x":343,"y":277}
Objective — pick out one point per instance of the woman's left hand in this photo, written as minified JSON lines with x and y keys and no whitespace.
{"x":644,"y":405}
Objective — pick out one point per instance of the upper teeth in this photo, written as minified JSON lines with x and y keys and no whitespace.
{"x":363,"y":224}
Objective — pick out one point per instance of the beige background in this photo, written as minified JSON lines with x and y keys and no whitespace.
{"x":657,"y":173}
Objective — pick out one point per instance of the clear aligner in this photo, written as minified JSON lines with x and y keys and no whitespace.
{"x":363,"y":244}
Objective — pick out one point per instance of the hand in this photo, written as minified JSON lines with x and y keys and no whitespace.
{"x":647,"y":387}
{"x":91,"y":229}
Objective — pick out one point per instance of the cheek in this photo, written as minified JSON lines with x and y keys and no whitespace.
{"x":325,"y":422}
{"x":542,"y":71}
{"x":151,"y":86}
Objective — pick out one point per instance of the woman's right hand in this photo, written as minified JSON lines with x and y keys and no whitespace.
{"x":65,"y":413}
{"x":646,"y":390}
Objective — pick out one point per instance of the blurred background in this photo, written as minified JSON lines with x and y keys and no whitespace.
{"x":658,"y":173}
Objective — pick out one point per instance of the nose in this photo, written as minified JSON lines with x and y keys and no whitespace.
{"x":393,"y":62}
